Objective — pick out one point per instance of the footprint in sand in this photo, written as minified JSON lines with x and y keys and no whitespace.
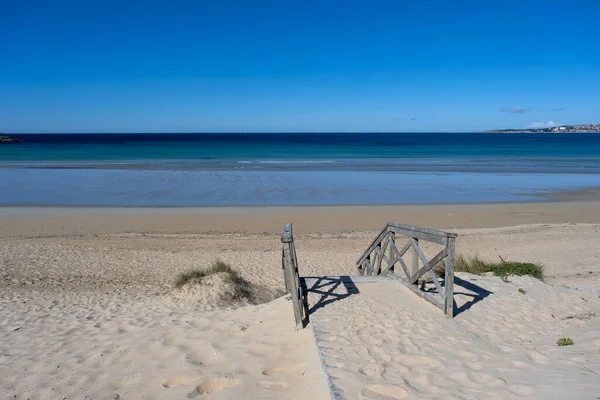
{"x":185,"y":380}
{"x":259,"y":350}
{"x":414,"y":361}
{"x":472,"y":379}
{"x":272,"y":385}
{"x":203,"y":357}
{"x":392,"y":372}
{"x":250,"y":368}
{"x":377,"y":352}
{"x":281,"y":369}
{"x":521,"y":390}
{"x":213,"y":385}
{"x":538,"y":357}
{"x":369,"y":369}
{"x":473,"y":365}
{"x":467,"y":355}
{"x":520,"y":364}
{"x":381,"y":392}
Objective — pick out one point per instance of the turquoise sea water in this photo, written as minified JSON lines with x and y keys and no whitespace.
{"x":293,"y":169}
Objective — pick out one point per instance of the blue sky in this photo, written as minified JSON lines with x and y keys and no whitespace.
{"x":222,"y":66}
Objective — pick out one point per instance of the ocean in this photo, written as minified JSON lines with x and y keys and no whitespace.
{"x":288,"y":169}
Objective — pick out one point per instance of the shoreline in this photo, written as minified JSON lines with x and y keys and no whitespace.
{"x":584,"y":195}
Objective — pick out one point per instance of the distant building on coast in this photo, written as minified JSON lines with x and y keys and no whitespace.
{"x":584,"y":128}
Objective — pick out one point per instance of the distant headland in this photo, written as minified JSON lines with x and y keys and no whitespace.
{"x":9,"y":139}
{"x":584,"y":128}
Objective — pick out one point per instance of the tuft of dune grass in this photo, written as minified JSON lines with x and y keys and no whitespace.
{"x":242,"y":288}
{"x":503,"y":268}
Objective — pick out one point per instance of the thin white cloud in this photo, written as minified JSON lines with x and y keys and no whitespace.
{"x":536,"y":125}
{"x":516,"y":110}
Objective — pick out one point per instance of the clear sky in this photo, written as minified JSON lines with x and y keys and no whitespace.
{"x":198,"y":66}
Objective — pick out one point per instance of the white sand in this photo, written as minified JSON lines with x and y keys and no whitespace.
{"x":95,"y":315}
{"x":386,"y":341}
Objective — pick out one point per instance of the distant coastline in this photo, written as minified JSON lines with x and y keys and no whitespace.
{"x":583,"y":128}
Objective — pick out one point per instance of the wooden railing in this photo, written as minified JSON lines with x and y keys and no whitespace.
{"x":375,"y":261}
{"x":289,"y":264}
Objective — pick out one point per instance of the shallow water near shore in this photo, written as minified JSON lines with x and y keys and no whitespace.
{"x":77,"y":187}
{"x":294,"y":169}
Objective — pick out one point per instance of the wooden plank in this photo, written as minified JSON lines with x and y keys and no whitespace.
{"x":429,"y":265}
{"x":429,"y":238}
{"x":287,"y":236}
{"x":449,"y":278}
{"x":399,"y":255}
{"x":418,"y":229}
{"x":439,"y":287}
{"x":404,"y":248}
{"x":295,"y":267}
{"x":390,"y":257}
{"x":385,"y":244}
{"x":404,"y":267}
{"x":374,"y":244}
{"x":436,"y":302}
{"x":381,"y":254}
{"x":419,"y":252}
{"x":367,"y":267}
{"x":416,"y":252}
{"x":431,"y":235}
{"x":388,"y":267}
{"x":310,"y":281}
{"x":291,"y":274}
{"x":378,"y":257}
{"x":333,"y":390}
{"x":359,"y":269}
{"x":295,"y":291}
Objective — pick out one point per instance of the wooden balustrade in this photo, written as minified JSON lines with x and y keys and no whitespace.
{"x":375,"y":261}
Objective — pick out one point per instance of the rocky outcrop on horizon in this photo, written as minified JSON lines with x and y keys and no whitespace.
{"x":9,"y":139}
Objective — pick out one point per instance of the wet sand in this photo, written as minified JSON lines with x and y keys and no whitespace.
{"x":51,"y":221}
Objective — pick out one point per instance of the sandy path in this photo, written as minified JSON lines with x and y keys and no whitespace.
{"x":383,"y":342}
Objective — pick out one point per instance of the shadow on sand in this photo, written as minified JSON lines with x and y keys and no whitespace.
{"x":476,"y":292}
{"x":335,"y":288}
{"x":330,"y":288}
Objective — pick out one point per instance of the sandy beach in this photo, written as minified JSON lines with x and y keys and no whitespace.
{"x":89,"y":309}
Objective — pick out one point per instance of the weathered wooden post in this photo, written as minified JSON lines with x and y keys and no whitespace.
{"x":391,"y":254}
{"x":449,"y":277}
{"x":287,"y":287}
{"x":415,"y":258}
{"x":291,"y":275}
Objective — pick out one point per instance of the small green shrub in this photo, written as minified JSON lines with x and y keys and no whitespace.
{"x":565,"y":342}
{"x":243,"y":327}
{"x":503,"y":269}
{"x":522,"y":291}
